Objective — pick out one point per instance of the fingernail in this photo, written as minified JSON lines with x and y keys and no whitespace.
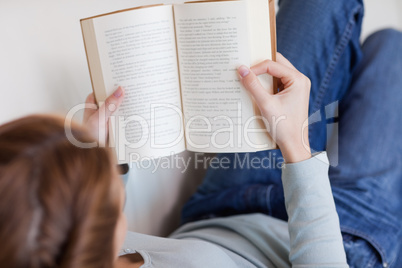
{"x":118,"y":92}
{"x":243,"y":71}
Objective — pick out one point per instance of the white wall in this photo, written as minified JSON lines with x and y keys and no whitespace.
{"x":43,"y":69}
{"x":43,"y":65}
{"x":381,"y":14}
{"x":154,"y":200}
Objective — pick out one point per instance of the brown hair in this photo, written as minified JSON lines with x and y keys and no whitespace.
{"x":59,"y":203}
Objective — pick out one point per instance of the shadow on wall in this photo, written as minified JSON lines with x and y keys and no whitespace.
{"x":156,"y":195}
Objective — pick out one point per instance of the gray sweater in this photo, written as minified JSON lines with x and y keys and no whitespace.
{"x":310,"y":238}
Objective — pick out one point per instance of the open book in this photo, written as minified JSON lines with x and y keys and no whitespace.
{"x":177,"y":64}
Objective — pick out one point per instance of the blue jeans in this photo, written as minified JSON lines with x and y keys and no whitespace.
{"x":355,"y":114}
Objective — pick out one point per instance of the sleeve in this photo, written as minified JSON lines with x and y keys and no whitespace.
{"x":315,"y":236}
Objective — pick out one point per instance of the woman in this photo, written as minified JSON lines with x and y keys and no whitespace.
{"x":61,"y":205}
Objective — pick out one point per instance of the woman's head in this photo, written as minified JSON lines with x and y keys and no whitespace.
{"x":59,"y":204}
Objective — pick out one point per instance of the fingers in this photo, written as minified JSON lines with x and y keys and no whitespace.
{"x":275,"y":69}
{"x":253,"y":85}
{"x":286,"y":74}
{"x":112,"y":103}
{"x":282,"y":69}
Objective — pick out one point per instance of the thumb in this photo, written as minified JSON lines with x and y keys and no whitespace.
{"x":112,"y":103}
{"x":253,"y":85}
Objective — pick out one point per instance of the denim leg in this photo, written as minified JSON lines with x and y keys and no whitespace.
{"x":367,"y":182}
{"x":321,"y":38}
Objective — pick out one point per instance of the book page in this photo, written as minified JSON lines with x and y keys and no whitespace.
{"x":137,"y":50}
{"x":213,"y":41}
{"x":259,"y":29}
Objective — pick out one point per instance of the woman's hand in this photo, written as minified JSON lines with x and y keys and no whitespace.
{"x":96,"y":120}
{"x":287,"y":111}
